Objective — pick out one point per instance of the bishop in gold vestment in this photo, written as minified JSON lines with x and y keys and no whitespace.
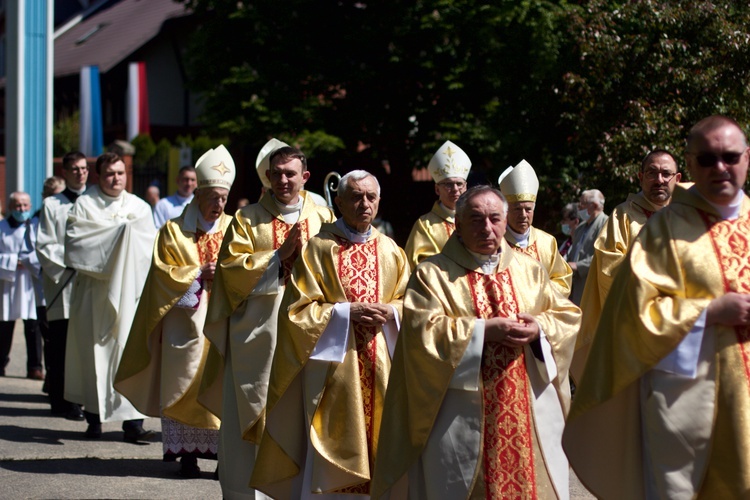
{"x":163,"y":361}
{"x":520,"y":186}
{"x":331,"y":365}
{"x":466,"y":416}
{"x":449,"y":168}
{"x":661,"y":409}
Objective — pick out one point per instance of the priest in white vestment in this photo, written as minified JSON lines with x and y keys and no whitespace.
{"x":109,"y":242}
{"x":57,"y":279}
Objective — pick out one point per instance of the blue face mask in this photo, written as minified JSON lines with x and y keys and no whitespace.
{"x":566,"y":229}
{"x":20,"y":216}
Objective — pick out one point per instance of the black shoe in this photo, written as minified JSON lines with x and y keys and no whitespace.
{"x":189,"y":468}
{"x":94,"y":431}
{"x":138,"y":434}
{"x":74,"y":413}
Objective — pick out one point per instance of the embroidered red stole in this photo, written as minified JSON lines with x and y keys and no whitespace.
{"x":508,"y":446}
{"x":358,"y":272}
{"x":730,"y":242}
{"x":280,"y":232}
{"x":208,"y":249}
{"x":530,"y":250}
{"x":449,"y":227}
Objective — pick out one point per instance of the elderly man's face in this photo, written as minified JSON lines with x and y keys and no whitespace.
{"x":449,"y":190}
{"x":717,"y":162}
{"x":360,"y":203}
{"x":211,"y":202}
{"x":187,"y":181}
{"x":658,"y":179}
{"x":76,"y":175}
{"x":287,"y":179}
{"x":482,"y":224}
{"x":112,"y":179}
{"x":521,"y":216}
{"x":21,"y":202}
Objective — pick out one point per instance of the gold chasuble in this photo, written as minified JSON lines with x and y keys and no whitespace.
{"x":468,"y":419}
{"x":429,"y":234}
{"x":684,"y":257}
{"x":610,"y":248}
{"x":242,"y":319}
{"x":323,"y":417}
{"x":542,"y":247}
{"x":162,"y":365}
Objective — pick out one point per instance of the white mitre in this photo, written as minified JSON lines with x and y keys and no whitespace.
{"x":519,"y":183}
{"x":263,"y":161}
{"x":215,"y":169}
{"x":449,"y":161}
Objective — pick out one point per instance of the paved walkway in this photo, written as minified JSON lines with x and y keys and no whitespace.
{"x":47,"y":457}
{"x":42,"y":456}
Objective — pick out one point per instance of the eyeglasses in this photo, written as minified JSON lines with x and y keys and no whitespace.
{"x":708,"y":160}
{"x":653,"y":175}
{"x":451,"y":185}
{"x":78,"y":170}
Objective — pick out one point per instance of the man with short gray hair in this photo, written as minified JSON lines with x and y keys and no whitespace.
{"x":593,"y":219}
{"x":333,"y":354}
{"x":478,"y":391}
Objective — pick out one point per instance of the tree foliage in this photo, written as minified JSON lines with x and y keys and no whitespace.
{"x":645,"y":72}
{"x":581,"y":90}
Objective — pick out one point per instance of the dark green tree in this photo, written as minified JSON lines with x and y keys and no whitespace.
{"x":644,"y":73}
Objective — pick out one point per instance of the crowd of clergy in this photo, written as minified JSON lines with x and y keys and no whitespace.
{"x":315,"y":358}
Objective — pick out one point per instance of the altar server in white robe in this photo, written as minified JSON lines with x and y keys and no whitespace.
{"x":109,"y":242}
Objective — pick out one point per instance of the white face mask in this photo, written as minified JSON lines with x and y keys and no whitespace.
{"x":583,"y":215}
{"x":566,"y":229}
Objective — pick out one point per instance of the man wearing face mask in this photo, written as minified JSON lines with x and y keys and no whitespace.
{"x":568,"y":225}
{"x":18,"y":265}
{"x":593,"y":218}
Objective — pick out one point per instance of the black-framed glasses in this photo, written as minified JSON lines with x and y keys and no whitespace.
{"x":653,"y":175}
{"x":708,"y":160}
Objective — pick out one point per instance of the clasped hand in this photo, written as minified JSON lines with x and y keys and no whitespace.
{"x":370,"y":314}
{"x":512,"y":332}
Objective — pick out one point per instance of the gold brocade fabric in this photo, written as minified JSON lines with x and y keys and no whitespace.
{"x":439,"y":315}
{"x":508,"y":458}
{"x":344,"y":401}
{"x":280,"y":232}
{"x":249,"y":245}
{"x":177,"y":258}
{"x":429,"y":234}
{"x":610,"y":248}
{"x":542,"y":247}
{"x":682,"y":259}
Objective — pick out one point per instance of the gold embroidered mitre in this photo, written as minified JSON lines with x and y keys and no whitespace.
{"x":215,"y":169}
{"x":449,"y":161}
{"x":519,"y":183}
